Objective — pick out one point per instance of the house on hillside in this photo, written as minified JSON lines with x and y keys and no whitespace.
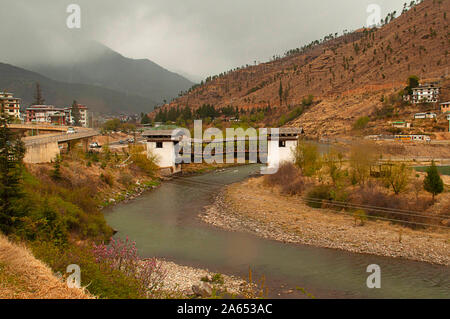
{"x":401,"y":124}
{"x":9,"y":104}
{"x":445,"y":107}
{"x":427,"y":93}
{"x":412,"y":138}
{"x":428,"y":115}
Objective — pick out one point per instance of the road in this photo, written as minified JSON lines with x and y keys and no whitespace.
{"x":81,"y":133}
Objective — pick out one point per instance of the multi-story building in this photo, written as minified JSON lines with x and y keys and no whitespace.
{"x":427,"y":93}
{"x":50,"y":114}
{"x":83,"y":115}
{"x":45,"y":114}
{"x":9,"y":104}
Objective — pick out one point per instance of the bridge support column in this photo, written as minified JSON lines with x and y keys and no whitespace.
{"x":41,"y":153}
{"x":85,"y":145}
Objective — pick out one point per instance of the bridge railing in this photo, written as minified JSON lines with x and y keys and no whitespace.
{"x":60,"y":138}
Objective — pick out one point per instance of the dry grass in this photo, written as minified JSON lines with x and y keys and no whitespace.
{"x":288,"y":178}
{"x":24,"y":277}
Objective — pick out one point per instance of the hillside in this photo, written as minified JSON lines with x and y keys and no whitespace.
{"x":347,"y":75}
{"x":104,"y":67}
{"x":23,"y":83}
{"x":24,"y":277}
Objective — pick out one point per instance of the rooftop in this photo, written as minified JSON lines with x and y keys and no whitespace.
{"x":159,"y":132}
{"x":287,"y":130}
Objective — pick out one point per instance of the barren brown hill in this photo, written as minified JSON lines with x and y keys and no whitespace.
{"x":346,"y":74}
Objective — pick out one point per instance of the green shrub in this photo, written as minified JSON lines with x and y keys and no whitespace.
{"x":307,"y":157}
{"x":54,"y":211}
{"x":307,"y":101}
{"x":218,"y":279}
{"x":99,"y":278}
{"x":318,"y":194}
{"x":361,"y":123}
{"x":142,"y":161}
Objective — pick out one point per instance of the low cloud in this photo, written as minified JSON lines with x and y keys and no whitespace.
{"x":196,"y":37}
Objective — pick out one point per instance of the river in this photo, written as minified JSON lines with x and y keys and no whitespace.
{"x":164,"y":223}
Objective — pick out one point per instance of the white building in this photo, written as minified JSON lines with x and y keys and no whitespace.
{"x":83,"y":115}
{"x":427,"y":93}
{"x":161,"y":143}
{"x":428,"y":115}
{"x":9,"y":104}
{"x":281,"y":145}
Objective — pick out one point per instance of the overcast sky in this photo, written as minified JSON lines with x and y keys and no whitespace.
{"x":193,"y":37}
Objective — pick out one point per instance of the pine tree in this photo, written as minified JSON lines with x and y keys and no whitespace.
{"x":56,"y":174}
{"x":12,"y":151}
{"x":145,"y":119}
{"x":75,"y":114}
{"x":38,"y":99}
{"x":280,"y":92}
{"x":433,"y":182}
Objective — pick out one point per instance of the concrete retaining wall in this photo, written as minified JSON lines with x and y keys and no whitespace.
{"x":41,"y":153}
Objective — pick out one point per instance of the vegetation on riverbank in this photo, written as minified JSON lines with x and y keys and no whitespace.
{"x":358,"y":181}
{"x":55,"y":209}
{"x":349,"y":201}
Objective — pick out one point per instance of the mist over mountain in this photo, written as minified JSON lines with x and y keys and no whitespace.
{"x":104,"y":67}
{"x":100,"y":100}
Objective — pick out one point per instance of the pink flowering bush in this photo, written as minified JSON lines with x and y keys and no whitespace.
{"x":123,"y":256}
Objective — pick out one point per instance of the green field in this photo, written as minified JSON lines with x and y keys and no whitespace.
{"x":444,"y":170}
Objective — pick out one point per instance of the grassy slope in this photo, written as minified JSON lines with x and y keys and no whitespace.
{"x":24,"y":277}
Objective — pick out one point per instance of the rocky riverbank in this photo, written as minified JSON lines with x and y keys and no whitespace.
{"x":116,"y":197}
{"x":250,"y":207}
{"x":187,"y":281}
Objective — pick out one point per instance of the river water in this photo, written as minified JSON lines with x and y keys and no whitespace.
{"x":164,"y":223}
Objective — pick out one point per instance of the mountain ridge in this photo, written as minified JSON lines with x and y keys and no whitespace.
{"x":367,"y":61}
{"x":100,"y":65}
{"x":22,"y":82}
